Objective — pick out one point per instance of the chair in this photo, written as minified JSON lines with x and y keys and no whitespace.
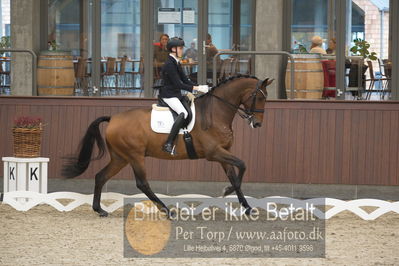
{"x":157,"y":78}
{"x":4,"y":78}
{"x":106,"y":77}
{"x":372,"y":81}
{"x":235,"y":66}
{"x":329,"y":69}
{"x":121,"y":74}
{"x":82,"y":78}
{"x":385,"y":72}
{"x":228,"y":68}
{"x":134,"y":75}
{"x":381,"y":67}
{"x":250,"y":65}
{"x":223,"y":66}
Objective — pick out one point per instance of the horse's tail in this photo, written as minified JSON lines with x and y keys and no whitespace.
{"x":76,"y":166}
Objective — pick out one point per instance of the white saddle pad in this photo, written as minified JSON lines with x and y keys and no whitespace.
{"x":162,"y":119}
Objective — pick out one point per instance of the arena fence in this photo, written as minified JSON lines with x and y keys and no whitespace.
{"x":26,"y":200}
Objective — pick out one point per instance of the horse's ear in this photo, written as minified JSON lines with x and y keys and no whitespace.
{"x":267,"y":82}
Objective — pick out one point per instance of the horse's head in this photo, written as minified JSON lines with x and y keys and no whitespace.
{"x":254,"y":100}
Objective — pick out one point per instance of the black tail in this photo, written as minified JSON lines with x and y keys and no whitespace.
{"x":76,"y":166}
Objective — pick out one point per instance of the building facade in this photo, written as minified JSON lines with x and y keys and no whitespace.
{"x":97,"y":30}
{"x":347,"y":138}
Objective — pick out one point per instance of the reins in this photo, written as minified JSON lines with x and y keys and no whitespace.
{"x":245,"y":113}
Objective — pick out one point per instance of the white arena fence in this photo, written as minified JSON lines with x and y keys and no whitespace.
{"x":25,"y":200}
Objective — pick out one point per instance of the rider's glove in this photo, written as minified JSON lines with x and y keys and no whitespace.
{"x":203,"y":88}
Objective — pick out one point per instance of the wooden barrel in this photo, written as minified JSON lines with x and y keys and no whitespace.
{"x":309,"y":79}
{"x":55,"y":74}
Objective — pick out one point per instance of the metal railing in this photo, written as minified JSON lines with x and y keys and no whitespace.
{"x":34,"y":65}
{"x":292,"y":94}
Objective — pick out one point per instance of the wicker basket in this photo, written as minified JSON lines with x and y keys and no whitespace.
{"x":27,"y":142}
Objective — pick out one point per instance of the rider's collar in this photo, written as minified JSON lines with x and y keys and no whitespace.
{"x":176,"y":58}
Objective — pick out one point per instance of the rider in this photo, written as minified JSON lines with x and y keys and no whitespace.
{"x":176,"y":80}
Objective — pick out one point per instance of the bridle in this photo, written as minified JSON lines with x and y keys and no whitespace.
{"x":247,"y":114}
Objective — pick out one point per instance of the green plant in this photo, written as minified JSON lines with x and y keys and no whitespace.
{"x":302,"y":49}
{"x":52,"y":45}
{"x":361,"y":48}
{"x":5,"y":42}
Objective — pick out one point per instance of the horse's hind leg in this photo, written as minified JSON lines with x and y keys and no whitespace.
{"x":112,"y":168}
{"x":228,"y":161}
{"x":142,"y":184}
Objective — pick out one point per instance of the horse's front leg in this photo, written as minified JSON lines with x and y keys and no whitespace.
{"x":228,"y":162}
{"x":142,"y":184}
{"x":231,"y":174}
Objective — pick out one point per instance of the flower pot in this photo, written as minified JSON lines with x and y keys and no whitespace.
{"x":27,"y":142}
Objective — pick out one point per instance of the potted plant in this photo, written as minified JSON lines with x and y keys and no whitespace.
{"x":5,"y":42}
{"x":361,"y":48}
{"x":27,"y":132}
{"x":52,"y":45}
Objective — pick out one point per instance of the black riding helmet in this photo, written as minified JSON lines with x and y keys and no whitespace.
{"x":174,"y":42}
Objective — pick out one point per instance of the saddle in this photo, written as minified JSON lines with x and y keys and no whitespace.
{"x":163,"y":117}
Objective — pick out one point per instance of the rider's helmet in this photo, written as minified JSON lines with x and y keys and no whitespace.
{"x":174,"y":42}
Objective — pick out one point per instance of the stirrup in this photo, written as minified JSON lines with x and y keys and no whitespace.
{"x":172,"y":152}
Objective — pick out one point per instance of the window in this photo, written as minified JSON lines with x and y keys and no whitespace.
{"x":5,"y":30}
{"x":367,"y":23}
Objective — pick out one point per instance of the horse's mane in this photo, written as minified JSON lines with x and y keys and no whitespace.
{"x":224,"y":81}
{"x":206,"y":100}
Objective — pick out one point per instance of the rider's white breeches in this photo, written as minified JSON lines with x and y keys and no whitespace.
{"x":176,"y":105}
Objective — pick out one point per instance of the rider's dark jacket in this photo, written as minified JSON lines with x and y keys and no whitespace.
{"x":174,"y":80}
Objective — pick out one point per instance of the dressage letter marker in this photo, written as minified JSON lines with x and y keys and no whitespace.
{"x":33,"y":173}
{"x":12,"y":175}
{"x":25,"y":174}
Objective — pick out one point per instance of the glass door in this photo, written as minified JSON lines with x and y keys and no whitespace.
{"x":69,"y":27}
{"x":230,"y":28}
{"x":121,"y":51}
{"x":368,"y":39}
{"x":207,"y":27}
{"x":175,"y":18}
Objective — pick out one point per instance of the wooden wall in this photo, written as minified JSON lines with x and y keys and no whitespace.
{"x":325,"y":142}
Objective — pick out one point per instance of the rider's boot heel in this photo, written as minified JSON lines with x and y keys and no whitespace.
{"x":169,"y":146}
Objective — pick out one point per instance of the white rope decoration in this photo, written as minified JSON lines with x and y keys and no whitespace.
{"x":16,"y":199}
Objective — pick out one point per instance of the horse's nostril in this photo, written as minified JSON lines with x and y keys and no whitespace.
{"x":257,"y":124}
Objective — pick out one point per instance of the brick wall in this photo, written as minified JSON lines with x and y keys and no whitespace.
{"x":373,"y":30}
{"x":373,"y":27}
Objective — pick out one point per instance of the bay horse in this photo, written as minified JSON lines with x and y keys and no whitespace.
{"x":129,"y":138}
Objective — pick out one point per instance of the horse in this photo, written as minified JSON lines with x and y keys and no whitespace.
{"x":129,"y":138}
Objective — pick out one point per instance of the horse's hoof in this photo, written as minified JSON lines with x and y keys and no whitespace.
{"x":103,"y":214}
{"x":248,"y":211}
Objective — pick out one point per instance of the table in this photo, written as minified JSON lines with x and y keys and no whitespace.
{"x":5,"y":71}
{"x":190,"y":67}
{"x":388,"y":74}
{"x":388,"y":69}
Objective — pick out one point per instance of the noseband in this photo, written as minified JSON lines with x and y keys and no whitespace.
{"x":247,"y":113}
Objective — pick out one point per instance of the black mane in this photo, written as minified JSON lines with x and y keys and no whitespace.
{"x":206,"y":100}
{"x":226,"y":80}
